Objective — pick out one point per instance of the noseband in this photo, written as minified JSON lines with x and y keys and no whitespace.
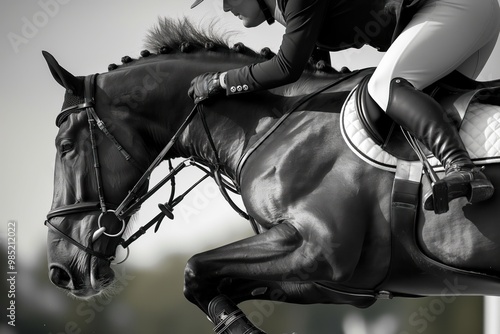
{"x":131,"y":203}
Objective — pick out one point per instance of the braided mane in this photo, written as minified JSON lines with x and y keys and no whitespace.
{"x":176,"y":34}
{"x":170,"y":36}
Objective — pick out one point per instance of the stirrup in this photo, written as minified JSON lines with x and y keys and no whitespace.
{"x":476,"y":189}
{"x":437,"y":198}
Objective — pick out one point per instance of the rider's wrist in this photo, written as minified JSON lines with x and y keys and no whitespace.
{"x":222,"y":80}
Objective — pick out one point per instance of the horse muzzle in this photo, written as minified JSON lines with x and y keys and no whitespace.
{"x":83,"y":285}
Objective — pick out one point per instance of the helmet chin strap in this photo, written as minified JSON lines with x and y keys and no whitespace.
{"x":267,"y":12}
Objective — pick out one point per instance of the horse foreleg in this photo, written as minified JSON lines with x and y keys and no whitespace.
{"x":279,"y":255}
{"x":267,"y":256}
{"x":240,"y":290}
{"x":229,"y":319}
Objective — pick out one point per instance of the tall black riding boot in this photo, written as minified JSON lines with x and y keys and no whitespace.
{"x":423,"y":117}
{"x":228,"y":318}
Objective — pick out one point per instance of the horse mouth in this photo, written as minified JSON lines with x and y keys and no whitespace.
{"x":101,"y":275}
{"x":85,"y":294}
{"x":97,"y":287}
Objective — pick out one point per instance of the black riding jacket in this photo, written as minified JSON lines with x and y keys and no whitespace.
{"x":332,"y":25}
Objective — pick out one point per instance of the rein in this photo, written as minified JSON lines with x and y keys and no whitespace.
{"x":132,"y":201}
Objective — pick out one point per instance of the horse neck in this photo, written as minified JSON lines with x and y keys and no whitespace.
{"x":232,"y":126}
{"x":158,"y":103}
{"x":236,"y":122}
{"x":152,"y":95}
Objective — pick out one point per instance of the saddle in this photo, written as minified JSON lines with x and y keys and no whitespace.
{"x":409,"y":263}
{"x":454,"y":92}
{"x":369,"y":132}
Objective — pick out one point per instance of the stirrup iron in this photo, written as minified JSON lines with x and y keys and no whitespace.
{"x":439,"y":188}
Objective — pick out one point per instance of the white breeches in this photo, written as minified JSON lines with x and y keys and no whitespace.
{"x":443,"y":36}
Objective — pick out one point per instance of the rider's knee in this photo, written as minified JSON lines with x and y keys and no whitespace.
{"x":378,"y":88}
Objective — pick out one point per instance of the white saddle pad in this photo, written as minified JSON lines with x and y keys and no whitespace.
{"x":480,"y":132}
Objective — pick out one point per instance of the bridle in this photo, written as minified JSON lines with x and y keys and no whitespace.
{"x":120,"y":213}
{"x":134,"y":200}
{"x":105,"y":208}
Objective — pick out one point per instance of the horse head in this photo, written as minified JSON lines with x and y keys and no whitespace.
{"x":83,"y":231}
{"x":111,"y":128}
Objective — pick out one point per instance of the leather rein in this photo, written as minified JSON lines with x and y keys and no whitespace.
{"x":132,"y":202}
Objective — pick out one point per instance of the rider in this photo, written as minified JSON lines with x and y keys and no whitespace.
{"x":424,"y":40}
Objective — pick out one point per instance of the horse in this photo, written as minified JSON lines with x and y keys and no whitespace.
{"x":324,"y":218}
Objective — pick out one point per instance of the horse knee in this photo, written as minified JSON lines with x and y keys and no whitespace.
{"x":378,"y":89}
{"x":192,"y":274}
{"x":194,"y":278}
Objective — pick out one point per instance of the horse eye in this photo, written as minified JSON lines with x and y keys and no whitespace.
{"x":65,"y":147}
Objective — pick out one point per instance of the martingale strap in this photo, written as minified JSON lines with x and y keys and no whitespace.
{"x":132,"y":198}
{"x":132,"y":202}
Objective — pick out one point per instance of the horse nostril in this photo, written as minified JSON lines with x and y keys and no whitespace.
{"x":60,"y":277}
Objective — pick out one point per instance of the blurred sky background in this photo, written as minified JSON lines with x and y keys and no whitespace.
{"x":85,"y":36}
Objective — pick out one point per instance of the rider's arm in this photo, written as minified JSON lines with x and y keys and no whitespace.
{"x":304,"y":19}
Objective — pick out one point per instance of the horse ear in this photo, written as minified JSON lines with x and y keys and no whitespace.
{"x":63,"y":77}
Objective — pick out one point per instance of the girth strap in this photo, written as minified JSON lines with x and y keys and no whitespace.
{"x":412,"y":273}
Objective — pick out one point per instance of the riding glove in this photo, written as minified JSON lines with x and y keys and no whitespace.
{"x":205,"y":86}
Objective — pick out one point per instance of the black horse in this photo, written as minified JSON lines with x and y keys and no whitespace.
{"x":326,"y":220}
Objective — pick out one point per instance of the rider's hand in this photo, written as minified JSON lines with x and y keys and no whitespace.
{"x":205,"y":86}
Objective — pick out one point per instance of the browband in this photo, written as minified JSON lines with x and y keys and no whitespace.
{"x":88,"y":101}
